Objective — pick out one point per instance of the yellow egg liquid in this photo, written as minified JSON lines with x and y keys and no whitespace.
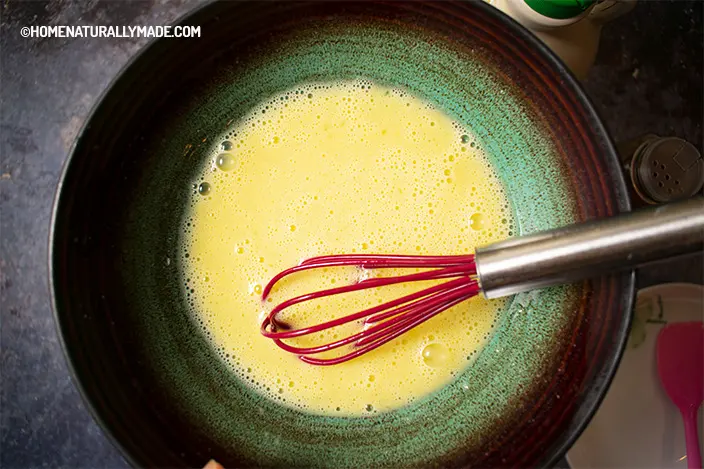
{"x":350,"y":167}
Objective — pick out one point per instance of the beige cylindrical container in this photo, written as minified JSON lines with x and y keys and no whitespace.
{"x":571,"y":28}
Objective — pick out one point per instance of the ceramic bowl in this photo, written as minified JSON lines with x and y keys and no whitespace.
{"x":145,"y":369}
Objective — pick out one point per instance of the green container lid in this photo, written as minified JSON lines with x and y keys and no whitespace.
{"x":560,"y":9}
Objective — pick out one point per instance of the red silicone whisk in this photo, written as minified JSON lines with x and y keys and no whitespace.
{"x":388,"y":320}
{"x":512,"y":266}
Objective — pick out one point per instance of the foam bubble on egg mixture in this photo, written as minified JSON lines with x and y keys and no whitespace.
{"x":347,"y":167}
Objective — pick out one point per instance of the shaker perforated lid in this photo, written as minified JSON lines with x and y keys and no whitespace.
{"x":667,"y":169}
{"x":560,"y":9}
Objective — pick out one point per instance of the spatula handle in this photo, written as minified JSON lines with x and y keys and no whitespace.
{"x":691,"y":436}
{"x":590,"y":249}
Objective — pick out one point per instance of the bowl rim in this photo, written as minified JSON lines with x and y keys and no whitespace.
{"x":627,"y":294}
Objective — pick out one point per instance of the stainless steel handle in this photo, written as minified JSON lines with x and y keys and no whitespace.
{"x":589,"y":249}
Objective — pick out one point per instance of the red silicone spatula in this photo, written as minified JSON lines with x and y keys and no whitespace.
{"x":681,"y":368}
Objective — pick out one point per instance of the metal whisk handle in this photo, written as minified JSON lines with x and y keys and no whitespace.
{"x":590,"y":249}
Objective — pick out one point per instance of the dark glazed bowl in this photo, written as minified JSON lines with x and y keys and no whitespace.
{"x":144,"y":368}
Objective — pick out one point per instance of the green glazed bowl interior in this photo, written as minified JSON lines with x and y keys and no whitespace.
{"x":149,"y":374}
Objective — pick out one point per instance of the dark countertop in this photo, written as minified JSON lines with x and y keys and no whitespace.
{"x":648,"y":78}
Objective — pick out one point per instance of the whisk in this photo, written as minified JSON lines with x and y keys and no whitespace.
{"x":512,"y":266}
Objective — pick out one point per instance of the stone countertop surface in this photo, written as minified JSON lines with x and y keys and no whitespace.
{"x":648,"y":78}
